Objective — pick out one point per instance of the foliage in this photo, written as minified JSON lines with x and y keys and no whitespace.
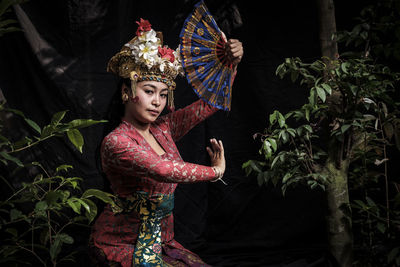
{"x":35,"y":218}
{"x":351,"y":118}
{"x":7,"y":25}
{"x":347,"y":104}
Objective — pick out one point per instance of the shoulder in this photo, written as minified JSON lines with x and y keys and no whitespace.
{"x":118,"y":139}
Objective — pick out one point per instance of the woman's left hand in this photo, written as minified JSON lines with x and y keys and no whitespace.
{"x":235,"y":51}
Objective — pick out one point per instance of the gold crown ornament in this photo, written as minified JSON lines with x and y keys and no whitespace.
{"x":144,"y":58}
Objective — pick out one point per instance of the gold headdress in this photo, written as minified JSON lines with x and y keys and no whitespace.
{"x":144,"y":58}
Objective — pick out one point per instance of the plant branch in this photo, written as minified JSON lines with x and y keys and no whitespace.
{"x":34,"y":254}
{"x":30,"y":145}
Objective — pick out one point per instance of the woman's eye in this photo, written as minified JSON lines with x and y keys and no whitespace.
{"x":148,"y":91}
{"x":164,"y":95}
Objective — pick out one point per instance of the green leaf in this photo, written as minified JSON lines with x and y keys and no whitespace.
{"x":345,"y":127}
{"x":81,"y":123}
{"x":321,"y":93}
{"x":274,"y":162}
{"x":66,"y":238}
{"x":103,"y":196}
{"x":7,"y":22}
{"x":286,"y":177}
{"x":9,"y":29}
{"x":33,"y":125}
{"x":307,"y":113}
{"x":273,"y":143}
{"x":55,"y":247}
{"x":294,"y":75}
{"x":92,"y":211}
{"x":47,"y":131}
{"x":353,"y":89}
{"x":255,"y":166}
{"x":52,"y":197}
{"x":41,"y":206}
{"x":311,"y":99}
{"x":75,"y":205}
{"x":4,"y":5}
{"x":64,"y":167}
{"x":344,"y":66}
{"x":327,"y":88}
{"x":281,"y":119}
{"x":284,"y":136}
{"x":24,"y":141}
{"x":272,"y":118}
{"x":12,"y":231}
{"x":55,"y":120}
{"x":8,"y":157}
{"x":361,"y":204}
{"x":76,"y":138}
{"x":308,"y":128}
{"x":15,"y":214}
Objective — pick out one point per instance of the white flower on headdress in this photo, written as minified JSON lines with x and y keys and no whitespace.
{"x":146,"y":50}
{"x":149,"y":36}
{"x":178,"y":61}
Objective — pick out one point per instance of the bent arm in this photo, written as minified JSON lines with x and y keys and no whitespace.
{"x":183,"y":120}
{"x":124,"y":155}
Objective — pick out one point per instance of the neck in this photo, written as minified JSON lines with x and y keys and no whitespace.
{"x":140,"y":126}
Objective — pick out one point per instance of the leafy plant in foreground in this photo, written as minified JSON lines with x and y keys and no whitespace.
{"x":36,"y":219}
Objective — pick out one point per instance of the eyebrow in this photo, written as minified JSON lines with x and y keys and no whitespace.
{"x":154,"y":87}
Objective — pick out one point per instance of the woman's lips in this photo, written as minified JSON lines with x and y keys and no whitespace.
{"x":154,"y":112}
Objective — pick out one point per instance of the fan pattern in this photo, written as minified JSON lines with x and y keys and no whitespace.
{"x":204,"y":60}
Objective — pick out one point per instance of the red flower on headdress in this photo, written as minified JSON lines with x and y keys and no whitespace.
{"x":166,"y":53}
{"x":144,"y":26}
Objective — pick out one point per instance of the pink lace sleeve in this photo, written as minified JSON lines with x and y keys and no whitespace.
{"x":183,"y":120}
{"x":122,"y":154}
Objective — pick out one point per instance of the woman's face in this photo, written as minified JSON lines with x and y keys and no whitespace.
{"x":152,"y":98}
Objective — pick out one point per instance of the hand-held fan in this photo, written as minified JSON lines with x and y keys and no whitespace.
{"x":204,"y":58}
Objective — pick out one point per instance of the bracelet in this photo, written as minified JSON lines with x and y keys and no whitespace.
{"x":219,"y":175}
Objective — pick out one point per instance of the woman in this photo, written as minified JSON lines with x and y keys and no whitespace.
{"x":142,"y":162}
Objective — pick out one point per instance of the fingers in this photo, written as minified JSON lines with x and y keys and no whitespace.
{"x":221,"y":147}
{"x":210,"y":152}
{"x":217,"y":150}
{"x":235,"y":50}
{"x":224,"y":36}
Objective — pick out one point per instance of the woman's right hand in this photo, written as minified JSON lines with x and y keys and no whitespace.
{"x":217,"y":155}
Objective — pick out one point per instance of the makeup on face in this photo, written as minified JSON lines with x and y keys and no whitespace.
{"x":151,"y":101}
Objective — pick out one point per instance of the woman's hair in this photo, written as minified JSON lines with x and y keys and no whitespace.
{"x":116,"y":108}
{"x":115,"y":112}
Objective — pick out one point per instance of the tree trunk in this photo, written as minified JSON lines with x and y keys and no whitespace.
{"x":327,"y":27}
{"x":337,"y":193}
{"x":339,"y":213}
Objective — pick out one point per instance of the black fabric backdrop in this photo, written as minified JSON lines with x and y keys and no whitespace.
{"x":59,"y":61}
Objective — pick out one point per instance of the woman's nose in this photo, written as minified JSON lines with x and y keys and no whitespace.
{"x":156,"y":100}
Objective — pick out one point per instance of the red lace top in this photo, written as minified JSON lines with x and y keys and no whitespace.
{"x":132,"y":165}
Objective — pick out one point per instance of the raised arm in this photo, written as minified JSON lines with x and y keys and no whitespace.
{"x":123,"y":154}
{"x":183,"y":120}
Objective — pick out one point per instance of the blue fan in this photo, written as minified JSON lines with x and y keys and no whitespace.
{"x":204,"y":58}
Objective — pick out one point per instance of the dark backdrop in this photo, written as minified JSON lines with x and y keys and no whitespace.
{"x":59,"y":61}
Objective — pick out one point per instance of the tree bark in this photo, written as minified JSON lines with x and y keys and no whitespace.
{"x":337,"y":193}
{"x":339,"y":224}
{"x":327,"y":27}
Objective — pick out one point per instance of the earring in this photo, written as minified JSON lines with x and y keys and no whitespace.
{"x":125,"y":97}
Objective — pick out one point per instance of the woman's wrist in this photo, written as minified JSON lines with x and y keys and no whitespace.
{"x":218,"y":173}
